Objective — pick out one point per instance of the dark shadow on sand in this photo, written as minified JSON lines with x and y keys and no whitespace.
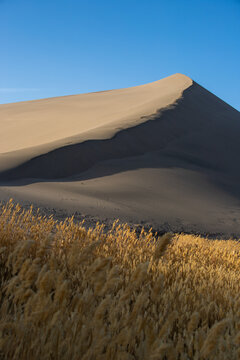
{"x":199,"y":132}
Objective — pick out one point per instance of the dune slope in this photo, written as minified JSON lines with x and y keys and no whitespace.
{"x":162,"y":152}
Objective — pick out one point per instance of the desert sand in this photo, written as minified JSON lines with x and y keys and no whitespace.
{"x":164,"y":154}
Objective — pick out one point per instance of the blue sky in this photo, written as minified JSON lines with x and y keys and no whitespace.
{"x":62,"y":47}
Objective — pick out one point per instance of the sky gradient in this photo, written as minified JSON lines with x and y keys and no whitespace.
{"x":63,"y":47}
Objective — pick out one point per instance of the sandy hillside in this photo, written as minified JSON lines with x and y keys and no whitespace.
{"x":165,"y":153}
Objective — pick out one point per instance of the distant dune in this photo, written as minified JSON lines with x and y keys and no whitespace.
{"x":166,"y":153}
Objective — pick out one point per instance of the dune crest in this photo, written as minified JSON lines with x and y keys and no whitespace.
{"x":40,"y":122}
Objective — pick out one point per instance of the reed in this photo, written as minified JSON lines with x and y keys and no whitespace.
{"x":67,"y":292}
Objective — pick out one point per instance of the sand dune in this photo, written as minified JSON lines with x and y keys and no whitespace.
{"x":40,"y":122}
{"x":165,"y":153}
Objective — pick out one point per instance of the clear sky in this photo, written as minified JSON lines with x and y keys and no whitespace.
{"x":62,"y":47}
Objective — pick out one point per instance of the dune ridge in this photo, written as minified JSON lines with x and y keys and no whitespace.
{"x":56,"y":121}
{"x":35,"y":128}
{"x":168,"y":130}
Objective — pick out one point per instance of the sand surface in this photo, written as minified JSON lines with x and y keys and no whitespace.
{"x":164,"y":154}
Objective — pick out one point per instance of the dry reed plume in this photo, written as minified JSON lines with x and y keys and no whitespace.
{"x":72,"y":293}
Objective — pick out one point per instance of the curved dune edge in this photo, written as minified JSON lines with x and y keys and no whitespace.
{"x":51,"y":123}
{"x":195,"y":129}
{"x":81,"y":151}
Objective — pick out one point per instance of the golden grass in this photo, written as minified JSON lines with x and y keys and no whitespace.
{"x":72,"y":293}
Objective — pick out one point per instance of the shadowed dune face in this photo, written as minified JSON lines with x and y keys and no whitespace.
{"x":165,"y":151}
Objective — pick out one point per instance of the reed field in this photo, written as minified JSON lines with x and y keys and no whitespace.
{"x":68,"y":292}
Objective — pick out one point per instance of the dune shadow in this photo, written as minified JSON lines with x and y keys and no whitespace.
{"x":199,"y":131}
